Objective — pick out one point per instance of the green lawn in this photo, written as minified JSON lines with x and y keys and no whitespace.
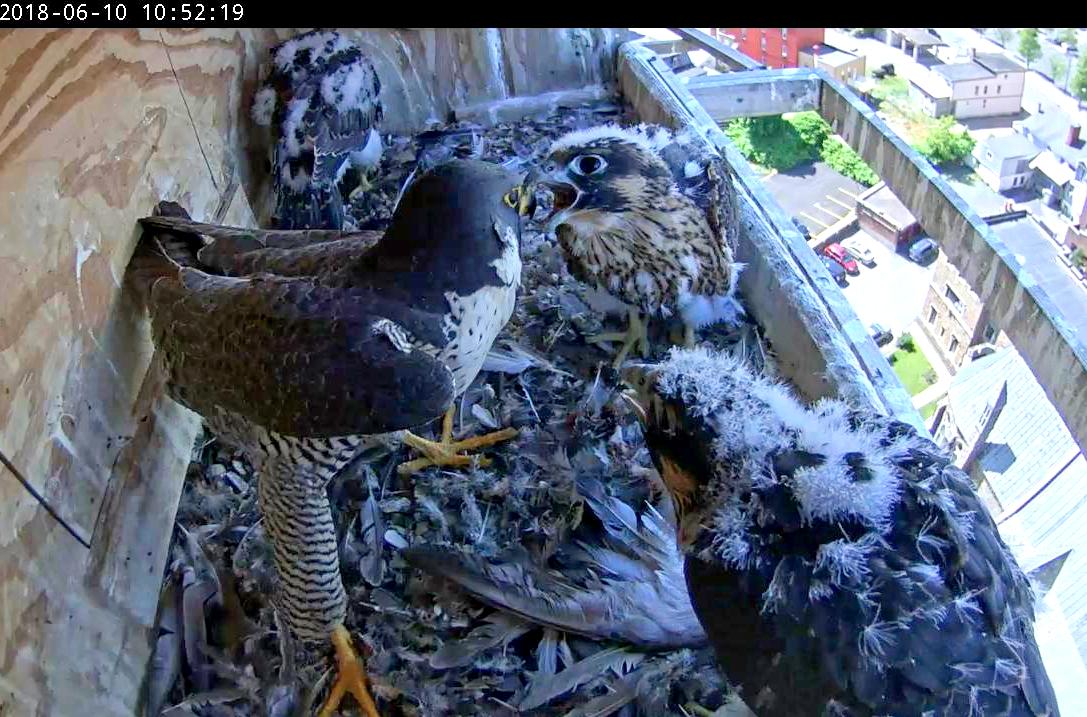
{"x":928,"y":409}
{"x":912,"y":368}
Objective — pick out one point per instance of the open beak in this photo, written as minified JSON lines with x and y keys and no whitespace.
{"x":564,"y":193}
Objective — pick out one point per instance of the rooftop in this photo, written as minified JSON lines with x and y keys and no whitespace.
{"x":995,"y":62}
{"x":881,"y":200}
{"x":1051,"y":130}
{"x":931,"y":84}
{"x":1033,"y":248}
{"x":963,"y":72}
{"x":917,"y":35}
{"x":1009,"y":146}
{"x":1051,"y":166}
{"x":1029,"y":443}
{"x":1037,"y":471}
{"x":830,"y":55}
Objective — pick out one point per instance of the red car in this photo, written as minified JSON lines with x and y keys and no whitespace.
{"x":838,"y":253}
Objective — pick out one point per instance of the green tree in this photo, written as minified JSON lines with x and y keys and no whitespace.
{"x":1058,"y":69}
{"x":1079,"y":80}
{"x":945,"y":143}
{"x":1068,"y":36}
{"x":812,"y":128}
{"x":1079,"y":258}
{"x":1003,"y":34}
{"x":1029,"y":46}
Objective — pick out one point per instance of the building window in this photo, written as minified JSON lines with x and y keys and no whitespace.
{"x":990,"y":333}
{"x":998,"y":89}
{"x":784,"y":51}
{"x":953,"y":298}
{"x":953,"y":345}
{"x":986,"y":91}
{"x":762,"y":43}
{"x":976,"y":90}
{"x":932,"y":315}
{"x":784,"y":33}
{"x":984,"y":103}
{"x":743,"y":33}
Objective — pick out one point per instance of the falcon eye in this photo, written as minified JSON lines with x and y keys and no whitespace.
{"x":511,"y":198}
{"x":588,"y":164}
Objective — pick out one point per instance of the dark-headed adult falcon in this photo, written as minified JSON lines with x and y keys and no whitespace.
{"x":838,"y":561}
{"x":295,"y":345}
{"x":323,"y":103}
{"x":641,"y":217}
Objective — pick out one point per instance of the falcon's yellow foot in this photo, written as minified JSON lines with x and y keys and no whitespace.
{"x":364,"y":186}
{"x":350,"y":677}
{"x":636,"y":333}
{"x":447,"y":451}
{"x":688,"y":338}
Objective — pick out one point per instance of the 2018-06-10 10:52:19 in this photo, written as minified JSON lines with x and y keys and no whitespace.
{"x":192,"y":12}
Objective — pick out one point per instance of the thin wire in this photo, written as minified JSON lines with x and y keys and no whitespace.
{"x":41,"y":500}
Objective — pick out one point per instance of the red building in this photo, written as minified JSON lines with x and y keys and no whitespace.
{"x":775,"y":47}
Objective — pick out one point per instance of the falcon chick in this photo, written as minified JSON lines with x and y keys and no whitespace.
{"x":322,"y":100}
{"x":296,"y":345}
{"x":642,"y":216}
{"x":838,"y":561}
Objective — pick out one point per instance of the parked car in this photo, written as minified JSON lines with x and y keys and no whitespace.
{"x":923,"y":251}
{"x":880,"y":335}
{"x":860,"y":251}
{"x":836,"y":270}
{"x":802,"y":228}
{"x":838,"y":253}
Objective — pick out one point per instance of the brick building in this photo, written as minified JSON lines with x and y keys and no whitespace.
{"x":885,"y":217}
{"x":775,"y":47}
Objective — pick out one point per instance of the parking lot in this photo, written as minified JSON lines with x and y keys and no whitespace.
{"x":815,"y":194}
{"x":892,"y":292}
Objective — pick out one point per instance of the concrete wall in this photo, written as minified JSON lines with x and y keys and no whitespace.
{"x":1002,"y":85}
{"x":96,"y":126}
{"x":987,"y":106}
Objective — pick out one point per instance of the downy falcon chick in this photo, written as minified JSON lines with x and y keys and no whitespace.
{"x":322,"y":101}
{"x":644,"y":218}
{"x":293,"y":346}
{"x":838,"y":561}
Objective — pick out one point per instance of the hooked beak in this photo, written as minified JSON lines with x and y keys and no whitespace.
{"x":639,"y":379}
{"x":564,"y":192}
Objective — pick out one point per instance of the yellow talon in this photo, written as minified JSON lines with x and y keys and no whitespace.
{"x":447,"y":452}
{"x":351,"y":677}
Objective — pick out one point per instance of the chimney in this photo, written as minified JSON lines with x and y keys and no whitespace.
{"x":1073,"y":135}
{"x":973,"y":53}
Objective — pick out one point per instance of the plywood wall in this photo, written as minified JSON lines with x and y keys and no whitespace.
{"x":97,"y":126}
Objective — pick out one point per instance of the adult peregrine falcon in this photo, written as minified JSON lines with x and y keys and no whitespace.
{"x":296,"y":345}
{"x":645,"y":218}
{"x":838,"y":561}
{"x":323,"y":102}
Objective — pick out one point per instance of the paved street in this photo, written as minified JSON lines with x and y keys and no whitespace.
{"x":815,"y":194}
{"x":891,"y":293}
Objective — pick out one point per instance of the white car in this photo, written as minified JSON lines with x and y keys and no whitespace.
{"x":858,"y":249}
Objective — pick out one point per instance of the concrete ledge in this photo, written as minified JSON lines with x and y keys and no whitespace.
{"x":819,"y":341}
{"x":731,"y":58}
{"x":757,"y":93}
{"x":514,"y":109}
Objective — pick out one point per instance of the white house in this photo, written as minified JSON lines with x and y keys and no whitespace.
{"x":1004,"y":162}
{"x":988,"y":85}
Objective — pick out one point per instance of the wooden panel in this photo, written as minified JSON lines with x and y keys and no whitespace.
{"x":96,"y":126}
